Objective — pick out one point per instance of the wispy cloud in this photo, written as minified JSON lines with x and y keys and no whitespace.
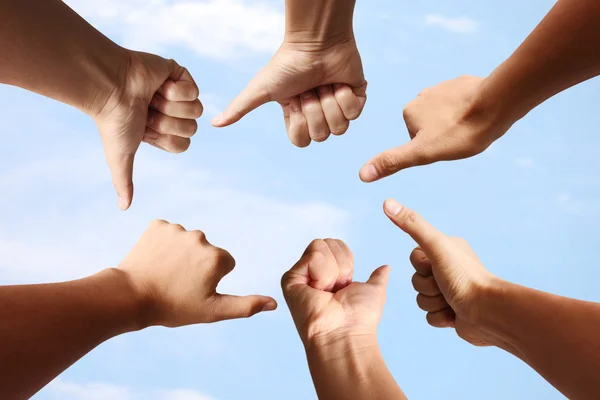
{"x":462,"y":25}
{"x":219,"y":29}
{"x":68,"y":390}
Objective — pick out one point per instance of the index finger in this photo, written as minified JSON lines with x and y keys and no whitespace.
{"x":426,"y":236}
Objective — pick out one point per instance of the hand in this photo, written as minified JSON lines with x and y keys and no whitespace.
{"x":446,"y":122}
{"x":175,"y":275}
{"x":156,"y":101}
{"x":319,"y":87}
{"x":324,"y":302}
{"x":450,"y":279}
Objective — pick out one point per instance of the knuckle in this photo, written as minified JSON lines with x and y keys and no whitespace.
{"x":199,"y":236}
{"x":177,"y":227}
{"x":318,"y":245}
{"x":387,"y":162}
{"x":198,"y":110}
{"x":340,"y":129}
{"x":319,"y":136}
{"x":223,"y":258}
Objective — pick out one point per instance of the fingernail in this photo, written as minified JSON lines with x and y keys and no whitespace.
{"x":368,"y":173}
{"x":122,"y":203}
{"x":270,"y":306}
{"x":218,"y":119}
{"x":392,"y":207}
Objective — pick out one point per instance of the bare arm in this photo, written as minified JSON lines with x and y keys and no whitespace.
{"x":47,"y":328}
{"x":168,"y":279}
{"x":561,"y":52}
{"x":461,"y":118}
{"x":557,"y":336}
{"x":352,"y":368}
{"x":48,"y":49}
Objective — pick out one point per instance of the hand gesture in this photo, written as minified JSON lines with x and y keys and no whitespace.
{"x":175,"y":274}
{"x":324,"y":301}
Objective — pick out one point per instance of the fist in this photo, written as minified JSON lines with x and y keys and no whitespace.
{"x":446,"y":122}
{"x":155,"y":101}
{"x":175,"y":274}
{"x":324,"y":301}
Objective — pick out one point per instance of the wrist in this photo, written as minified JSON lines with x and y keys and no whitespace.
{"x":336,"y":346}
{"x":136,"y":305}
{"x":107,"y":76}
{"x":319,"y":23}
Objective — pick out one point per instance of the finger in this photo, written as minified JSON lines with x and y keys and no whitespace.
{"x":225,"y":264}
{"x":166,"y":125}
{"x":336,"y":121}
{"x":445,"y":318}
{"x":431,"y":304}
{"x":298,"y":130}
{"x":169,"y":143}
{"x":344,"y":262}
{"x":177,"y":109}
{"x":380,"y":277}
{"x":389,"y":162}
{"x":313,"y":112}
{"x":180,"y":86}
{"x":322,"y":267}
{"x":121,"y":168}
{"x":253,"y":96}
{"x":421,"y":262}
{"x":427,"y":237}
{"x":227,"y":307}
{"x":350,"y":104}
{"x":426,"y":285}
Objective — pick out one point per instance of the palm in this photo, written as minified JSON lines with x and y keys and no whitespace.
{"x":356,"y":306}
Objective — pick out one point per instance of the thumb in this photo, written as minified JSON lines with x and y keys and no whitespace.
{"x":121,"y":169}
{"x":389,"y":162}
{"x":379,"y":277}
{"x":233,"y":307}
{"x":255,"y":95}
{"x":426,"y":236}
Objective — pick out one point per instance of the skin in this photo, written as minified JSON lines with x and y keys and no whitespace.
{"x":132,"y":96}
{"x":556,"y":336}
{"x":316,"y":75}
{"x":169,"y":279}
{"x":337,"y":320}
{"x":463,"y":117}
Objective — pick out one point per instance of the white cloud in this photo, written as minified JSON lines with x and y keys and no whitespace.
{"x":570,"y":205}
{"x":55,"y":237}
{"x":219,"y":29}
{"x":67,"y":390}
{"x":463,"y":25}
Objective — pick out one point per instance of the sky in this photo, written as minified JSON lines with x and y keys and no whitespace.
{"x":529,"y":206}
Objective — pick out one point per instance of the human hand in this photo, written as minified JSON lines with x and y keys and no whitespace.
{"x":325,"y":303}
{"x":451,"y":281}
{"x":154,"y":101}
{"x":316,"y":75}
{"x":175,"y":274}
{"x":446,"y":122}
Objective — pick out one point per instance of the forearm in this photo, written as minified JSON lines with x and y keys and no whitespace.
{"x":557,"y":336}
{"x":561,"y":52}
{"x":48,"y":49}
{"x":47,"y":328}
{"x":351,"y":369}
{"x":319,"y":20}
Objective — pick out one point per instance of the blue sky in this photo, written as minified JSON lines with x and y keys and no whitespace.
{"x":530,"y":206}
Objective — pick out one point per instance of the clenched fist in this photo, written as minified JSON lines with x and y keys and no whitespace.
{"x":155,"y":101}
{"x":175,"y":274}
{"x":326,"y":304}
